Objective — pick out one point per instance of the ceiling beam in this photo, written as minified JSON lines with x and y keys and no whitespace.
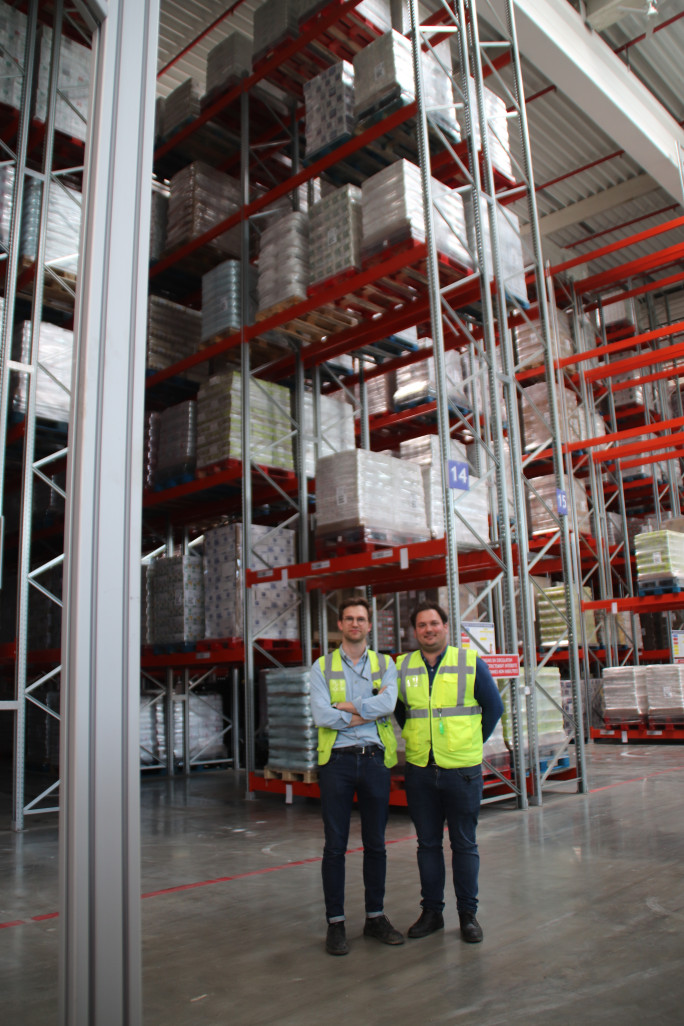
{"x":601,"y":14}
{"x":615,"y":196}
{"x":554,"y":38}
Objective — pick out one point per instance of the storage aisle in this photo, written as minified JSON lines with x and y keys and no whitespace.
{"x":582,"y":908}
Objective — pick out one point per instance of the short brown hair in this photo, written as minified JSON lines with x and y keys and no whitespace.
{"x":354,"y":602}
{"x":427,"y":607}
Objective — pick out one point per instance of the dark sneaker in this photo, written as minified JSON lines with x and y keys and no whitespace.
{"x":336,"y":941}
{"x":471,"y":931}
{"x":430,"y":920}
{"x":381,"y":928}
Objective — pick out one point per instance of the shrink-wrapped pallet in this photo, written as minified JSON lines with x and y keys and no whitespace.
{"x":543,"y":505}
{"x":383,"y":74}
{"x":283,"y":261}
{"x":337,"y":429}
{"x":377,"y":13}
{"x":151,"y":448}
{"x":549,"y":704}
{"x":228,"y":61}
{"x":660,"y":557}
{"x":537,"y":414}
{"x":365,"y":496}
{"x":425,"y":450}
{"x":73,"y":84}
{"x":62,"y":239}
{"x":292,"y":733}
{"x":511,"y":253}
{"x":206,"y":724}
{"x":219,"y":422}
{"x":177,"y":445}
{"x":495,"y":751}
{"x":497,"y":127}
{"x":199,"y":198}
{"x":222,"y":299}
{"x":392,"y":204}
{"x":13,"y":35}
{"x":335,"y":229}
{"x":274,"y":21}
{"x":176,"y":588}
{"x":379,"y":392}
{"x":553,"y":616}
{"x":54,"y":365}
{"x":618,"y":314}
{"x":624,"y":697}
{"x":530,"y":342}
{"x":471,"y":510}
{"x":665,"y":694}
{"x":417,"y":384}
{"x":274,"y":605}
{"x":6,"y":204}
{"x":173,"y":332}
{"x":158,"y":222}
{"x":181,"y":106}
{"x":329,"y":107}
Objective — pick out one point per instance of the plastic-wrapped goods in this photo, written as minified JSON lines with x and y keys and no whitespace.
{"x":176,"y":588}
{"x":63,"y":225}
{"x":6,"y":206}
{"x":510,"y":247}
{"x":379,"y":392}
{"x":151,"y":450}
{"x":222,"y":299}
{"x":274,"y":21}
{"x":55,"y":353}
{"x":620,"y":314}
{"x":181,"y":106}
{"x":173,"y":332}
{"x":369,"y":497}
{"x":635,"y":395}
{"x":550,"y":725}
{"x":205,"y":729}
{"x":540,"y":520}
{"x":425,"y":450}
{"x":530,"y":342}
{"x":624,"y":698}
{"x":383,"y":73}
{"x":551,"y":616}
{"x":228,"y":61}
{"x":495,"y":751}
{"x":292,"y":733}
{"x":176,"y":451}
{"x":199,"y":198}
{"x":219,"y":422}
{"x":497,"y":123}
{"x":13,"y":35}
{"x":73,"y":84}
{"x":337,"y":429}
{"x":665,"y":694}
{"x":392,"y":203}
{"x":536,"y":425}
{"x":417,"y":384}
{"x":374,"y":12}
{"x":329,"y":106}
{"x":335,"y":227}
{"x":284,"y":261}
{"x":583,"y":423}
{"x":471,"y":509}
{"x":149,"y":738}
{"x":158,"y":223}
{"x":274,"y":606}
{"x":660,"y":557}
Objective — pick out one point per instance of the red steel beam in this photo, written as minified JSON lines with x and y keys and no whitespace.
{"x":618,"y":227}
{"x":651,"y":286}
{"x":633,"y":448}
{"x":642,"y":265}
{"x":646,"y":359}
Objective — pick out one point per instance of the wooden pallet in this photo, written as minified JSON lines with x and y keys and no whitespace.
{"x":290,"y":776}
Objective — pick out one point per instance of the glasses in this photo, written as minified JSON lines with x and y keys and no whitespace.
{"x":355,"y":619}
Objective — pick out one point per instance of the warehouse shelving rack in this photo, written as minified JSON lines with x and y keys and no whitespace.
{"x":444,"y":307}
{"x":36,"y":150}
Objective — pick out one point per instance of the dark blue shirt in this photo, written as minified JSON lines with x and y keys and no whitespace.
{"x":486,"y":695}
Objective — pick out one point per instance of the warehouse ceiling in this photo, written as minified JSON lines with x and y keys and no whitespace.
{"x":592,"y":190}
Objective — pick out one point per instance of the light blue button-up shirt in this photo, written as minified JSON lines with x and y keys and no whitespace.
{"x":359,"y":690}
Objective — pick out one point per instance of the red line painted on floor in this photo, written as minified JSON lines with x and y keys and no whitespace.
{"x":305,"y":862}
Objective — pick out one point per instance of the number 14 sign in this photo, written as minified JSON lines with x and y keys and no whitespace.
{"x":459,"y":475}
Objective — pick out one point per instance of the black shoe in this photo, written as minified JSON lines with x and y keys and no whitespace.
{"x":430,"y":920}
{"x":336,"y":941}
{"x":381,"y":928}
{"x":471,"y":931}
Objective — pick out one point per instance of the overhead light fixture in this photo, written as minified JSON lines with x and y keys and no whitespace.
{"x":651,"y":8}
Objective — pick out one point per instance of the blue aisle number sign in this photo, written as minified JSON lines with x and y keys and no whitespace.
{"x":561,"y":502}
{"x":458,"y":475}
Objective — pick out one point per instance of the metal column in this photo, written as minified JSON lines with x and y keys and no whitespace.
{"x":99,"y":823}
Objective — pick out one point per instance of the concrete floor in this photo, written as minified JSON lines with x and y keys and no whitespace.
{"x":582,"y":904}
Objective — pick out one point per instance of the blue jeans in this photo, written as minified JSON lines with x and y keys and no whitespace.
{"x":436,"y":795}
{"x":339,"y":778}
